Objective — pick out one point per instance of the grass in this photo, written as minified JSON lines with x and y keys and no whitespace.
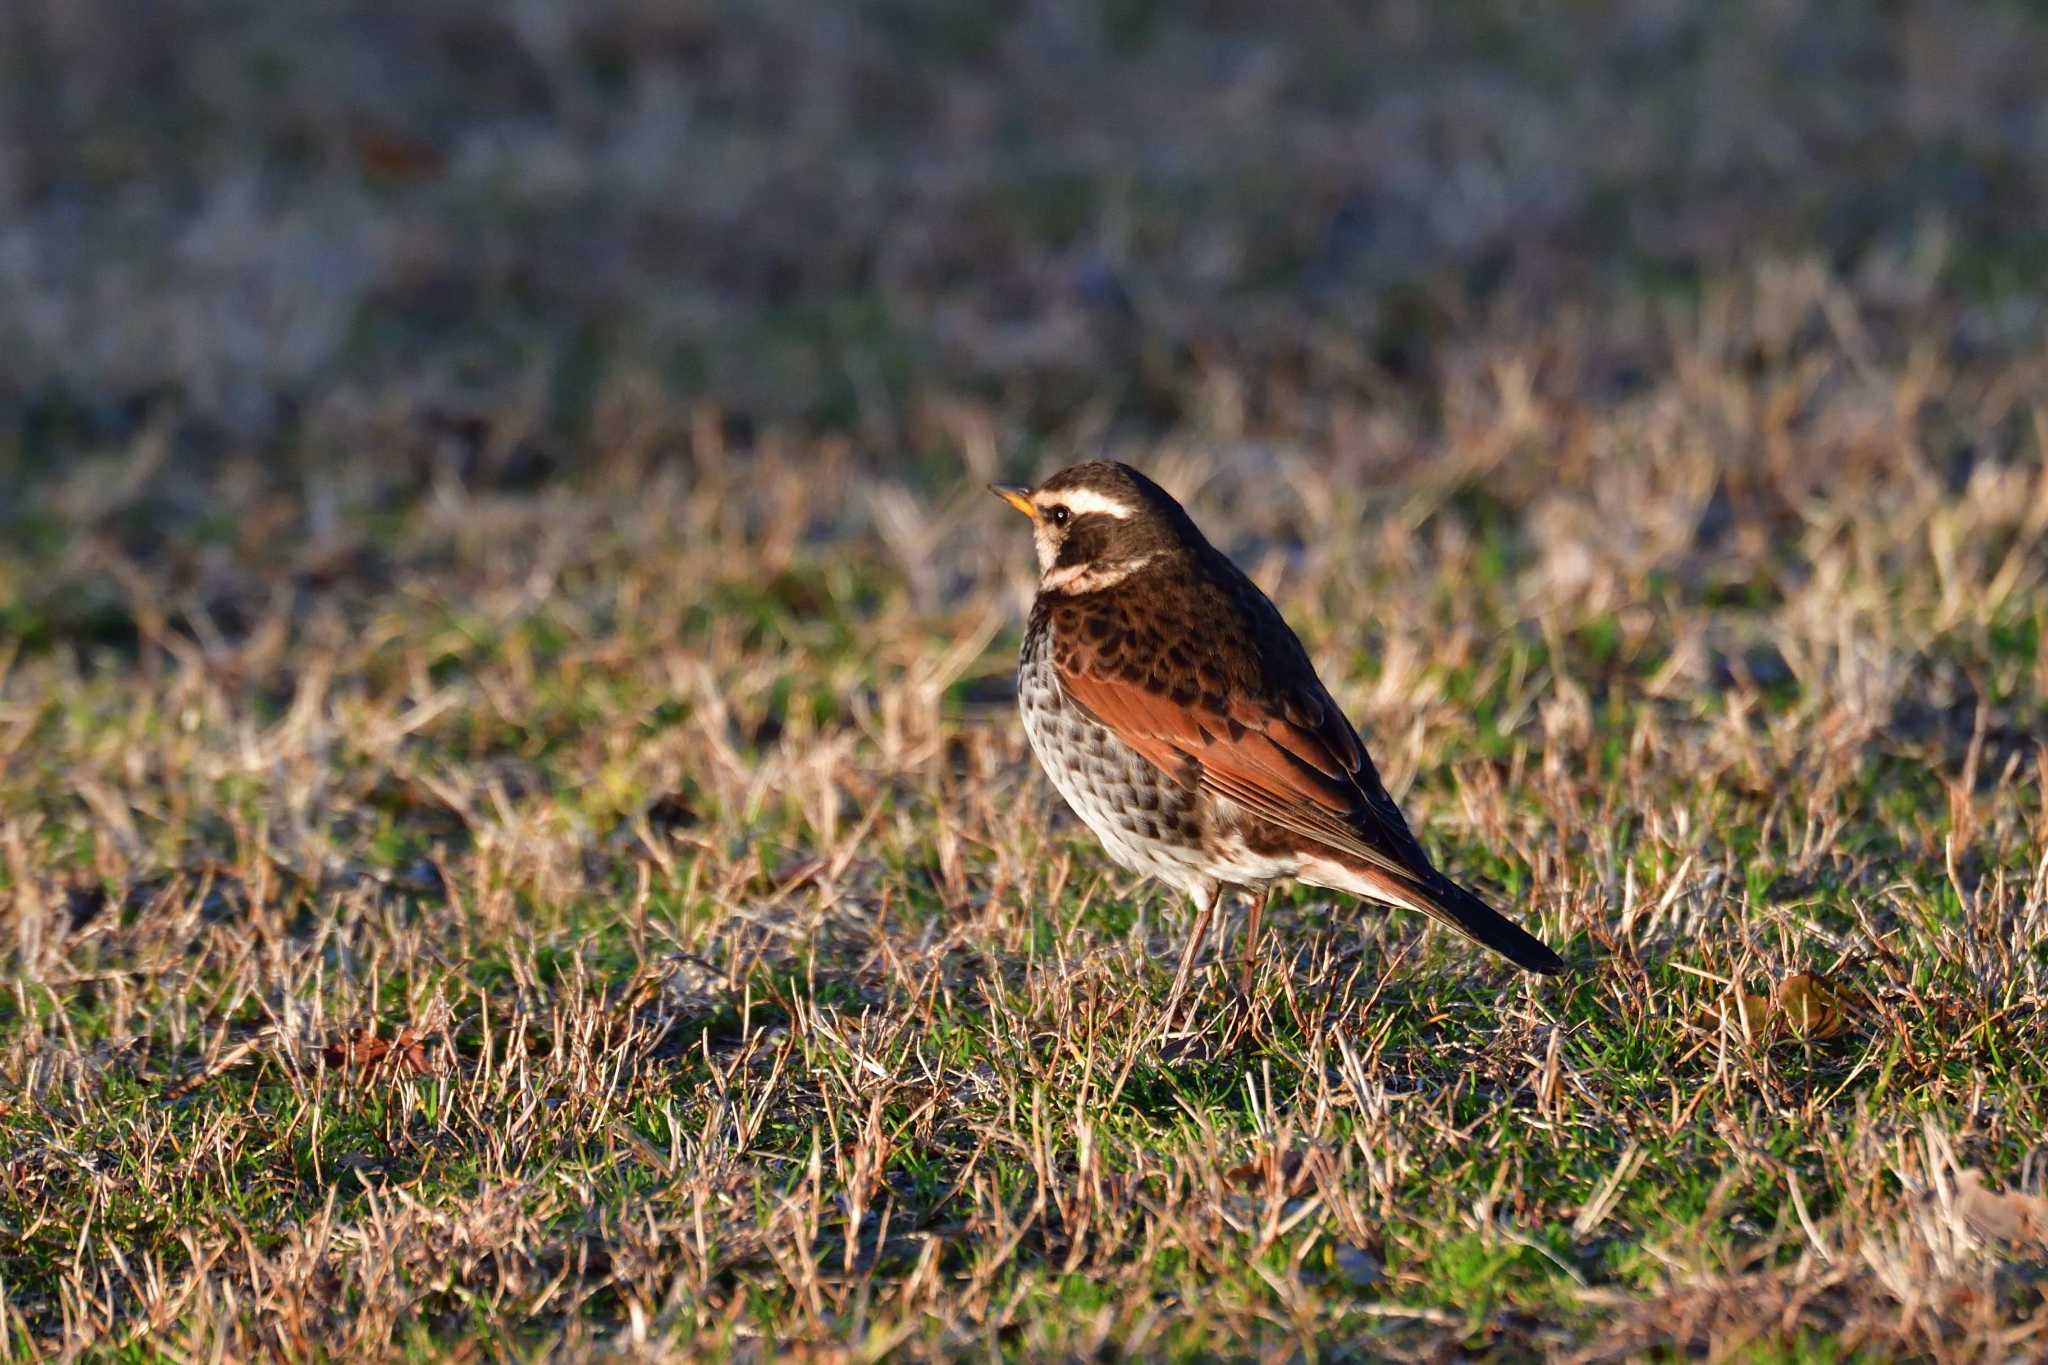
{"x":514,"y":834}
{"x":743,"y":985}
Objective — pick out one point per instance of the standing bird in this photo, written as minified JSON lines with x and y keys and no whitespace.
{"x":1182,"y":721}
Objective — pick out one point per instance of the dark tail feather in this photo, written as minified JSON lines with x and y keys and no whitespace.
{"x":1445,"y":900}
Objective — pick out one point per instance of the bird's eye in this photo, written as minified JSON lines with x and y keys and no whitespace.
{"x":1059,"y":516}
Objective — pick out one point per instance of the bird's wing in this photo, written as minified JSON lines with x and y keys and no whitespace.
{"x":1292,"y":759}
{"x":1300,"y":766}
{"x":1212,"y":687}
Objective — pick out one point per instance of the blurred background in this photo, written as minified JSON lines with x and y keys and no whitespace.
{"x":252,"y":221}
{"x":267,"y":272}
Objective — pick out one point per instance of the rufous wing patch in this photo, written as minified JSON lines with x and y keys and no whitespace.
{"x":1288,"y":775}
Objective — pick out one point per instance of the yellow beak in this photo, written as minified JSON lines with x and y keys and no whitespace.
{"x":1017,"y":496}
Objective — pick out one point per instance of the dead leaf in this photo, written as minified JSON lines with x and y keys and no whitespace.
{"x":1290,"y":1168}
{"x":1744,"y":1014}
{"x":1811,"y":1008}
{"x":410,"y":1048}
{"x":2012,"y":1217}
{"x":1804,"y":1005}
{"x":407,"y":1052}
{"x":361,"y":1048}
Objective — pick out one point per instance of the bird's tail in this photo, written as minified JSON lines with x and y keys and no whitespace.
{"x":1449,"y":903}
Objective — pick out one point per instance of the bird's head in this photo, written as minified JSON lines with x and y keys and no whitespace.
{"x":1097,"y":524}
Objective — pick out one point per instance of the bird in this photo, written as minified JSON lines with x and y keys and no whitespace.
{"x":1181,"y":719}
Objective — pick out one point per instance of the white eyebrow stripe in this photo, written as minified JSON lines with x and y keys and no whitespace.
{"x":1086,"y":501}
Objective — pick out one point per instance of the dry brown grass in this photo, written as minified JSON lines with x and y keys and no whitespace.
{"x":849,"y":1037}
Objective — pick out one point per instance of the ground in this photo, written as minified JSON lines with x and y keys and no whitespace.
{"x":514,"y":832}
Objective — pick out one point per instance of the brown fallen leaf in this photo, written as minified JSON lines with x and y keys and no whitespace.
{"x":1290,"y":1167}
{"x":2012,"y":1216}
{"x":1804,"y":1005}
{"x":1811,"y":1008}
{"x":361,"y":1048}
{"x":406,"y":1052}
{"x":1743,"y":1013}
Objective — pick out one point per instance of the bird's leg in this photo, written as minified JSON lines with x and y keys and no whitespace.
{"x":1205,"y":906}
{"x":1251,"y":939}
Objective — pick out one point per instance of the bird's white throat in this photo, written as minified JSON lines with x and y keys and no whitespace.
{"x":1074,"y":579}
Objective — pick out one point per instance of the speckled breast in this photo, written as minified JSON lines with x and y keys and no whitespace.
{"x":1145,"y":820}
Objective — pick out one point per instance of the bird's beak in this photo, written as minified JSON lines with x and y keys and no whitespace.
{"x":1017,"y":496}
